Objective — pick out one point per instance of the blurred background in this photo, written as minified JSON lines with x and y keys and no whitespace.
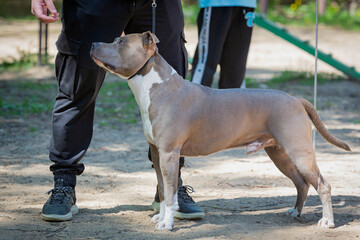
{"x":272,"y":61}
{"x":339,"y":33}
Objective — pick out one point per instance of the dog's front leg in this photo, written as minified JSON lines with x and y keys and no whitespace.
{"x":169,"y":165}
{"x":156,"y":163}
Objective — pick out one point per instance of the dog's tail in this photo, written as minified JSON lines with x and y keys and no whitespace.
{"x":315,"y":118}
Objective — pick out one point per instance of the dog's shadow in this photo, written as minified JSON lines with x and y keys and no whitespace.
{"x":265,"y":212}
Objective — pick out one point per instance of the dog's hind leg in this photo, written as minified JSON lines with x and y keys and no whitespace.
{"x":304,"y":159}
{"x":293,"y":134}
{"x":156,"y":163}
{"x":288,"y":168}
{"x":169,"y":165}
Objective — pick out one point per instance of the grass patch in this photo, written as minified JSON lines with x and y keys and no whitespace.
{"x":115,"y":103}
{"x":300,"y":14}
{"x":21,"y":98}
{"x":303,"y":78}
{"x":336,"y":14}
{"x":25,"y":61}
{"x":251,"y":83}
{"x":191,"y":12}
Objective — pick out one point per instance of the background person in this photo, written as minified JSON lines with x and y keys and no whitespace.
{"x":225,"y":29}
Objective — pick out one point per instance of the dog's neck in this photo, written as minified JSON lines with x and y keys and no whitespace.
{"x":159,"y":65}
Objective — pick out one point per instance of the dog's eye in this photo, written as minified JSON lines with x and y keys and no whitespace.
{"x":120,"y":42}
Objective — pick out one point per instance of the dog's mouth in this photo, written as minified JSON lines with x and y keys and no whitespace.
{"x":108,"y":66}
{"x":101,"y":64}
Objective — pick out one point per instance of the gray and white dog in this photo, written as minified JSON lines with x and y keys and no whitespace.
{"x":181,"y":118}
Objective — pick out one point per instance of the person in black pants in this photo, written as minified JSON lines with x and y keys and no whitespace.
{"x":224,"y":38}
{"x":79,"y":81}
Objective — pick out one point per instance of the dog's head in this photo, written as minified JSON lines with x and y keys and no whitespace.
{"x":126,"y":55}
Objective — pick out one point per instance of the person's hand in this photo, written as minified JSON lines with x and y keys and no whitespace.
{"x":39,"y":9}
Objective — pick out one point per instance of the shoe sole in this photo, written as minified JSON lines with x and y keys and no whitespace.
{"x":179,"y":215}
{"x":60,"y":218}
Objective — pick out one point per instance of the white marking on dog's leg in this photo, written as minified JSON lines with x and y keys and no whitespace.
{"x":176,"y":203}
{"x":326,"y":223}
{"x":168,"y":222}
{"x":324,"y":190}
{"x":160,"y":216}
{"x":253,"y":147}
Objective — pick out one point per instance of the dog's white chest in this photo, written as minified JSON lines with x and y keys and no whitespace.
{"x":140,"y":86}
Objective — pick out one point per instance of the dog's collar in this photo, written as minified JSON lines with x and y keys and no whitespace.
{"x":141,"y":67}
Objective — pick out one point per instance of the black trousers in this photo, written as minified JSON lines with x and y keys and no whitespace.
{"x":224,"y":38}
{"x":79,"y":78}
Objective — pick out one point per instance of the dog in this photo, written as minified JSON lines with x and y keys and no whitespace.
{"x":181,"y":118}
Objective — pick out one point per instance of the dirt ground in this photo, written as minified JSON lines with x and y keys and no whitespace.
{"x":244,"y":197}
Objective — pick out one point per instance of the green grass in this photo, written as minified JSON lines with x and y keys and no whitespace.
{"x":22,"y":98}
{"x":304,"y":15}
{"x":304,"y":78}
{"x":115,"y":102}
{"x":190,"y":13}
{"x":336,"y":14}
{"x":25,"y":61}
{"x":19,"y":9}
{"x":251,"y":83}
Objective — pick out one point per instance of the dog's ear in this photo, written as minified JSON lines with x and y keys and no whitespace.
{"x":149,"y":38}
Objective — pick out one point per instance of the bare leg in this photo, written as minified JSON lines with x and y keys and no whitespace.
{"x":155,"y":160}
{"x":304,"y":160}
{"x":287,"y":167}
{"x":169,"y":165}
{"x":296,"y":142}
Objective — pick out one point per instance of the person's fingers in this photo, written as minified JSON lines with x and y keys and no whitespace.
{"x":47,"y":19}
{"x":50,"y":5}
{"x":36,"y":8}
{"x":39,"y":9}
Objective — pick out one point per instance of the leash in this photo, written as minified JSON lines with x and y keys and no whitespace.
{"x":153,"y":5}
{"x":316,"y":60}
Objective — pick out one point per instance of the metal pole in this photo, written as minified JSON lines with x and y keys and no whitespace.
{"x":40,"y":44}
{"x":46,"y":42}
{"x":316,"y":60}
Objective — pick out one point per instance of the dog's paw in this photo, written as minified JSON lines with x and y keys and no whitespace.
{"x":326,"y":223}
{"x":164,"y":225}
{"x":155,"y":218}
{"x":293,"y":212}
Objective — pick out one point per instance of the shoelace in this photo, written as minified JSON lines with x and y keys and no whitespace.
{"x":58,"y":194}
{"x":184,"y":193}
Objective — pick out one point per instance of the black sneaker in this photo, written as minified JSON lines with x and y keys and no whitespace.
{"x":61,"y":204}
{"x":188,"y":209}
